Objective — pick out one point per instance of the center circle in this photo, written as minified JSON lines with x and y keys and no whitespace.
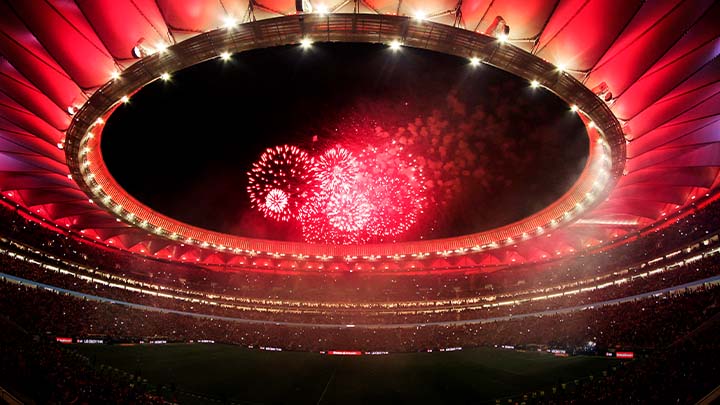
{"x":492,"y":150}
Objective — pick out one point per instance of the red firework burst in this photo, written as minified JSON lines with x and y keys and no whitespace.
{"x":276,"y":200}
{"x":280,"y":181}
{"x":394,"y":185}
{"x":395,"y":206}
{"x":348,"y":210}
{"x":317,"y":227}
{"x":336,"y":169}
{"x":340,"y":198}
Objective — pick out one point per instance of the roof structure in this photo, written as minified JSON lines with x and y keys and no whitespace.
{"x":655,"y":64}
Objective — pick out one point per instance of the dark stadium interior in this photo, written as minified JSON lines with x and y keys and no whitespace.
{"x":487,"y":202}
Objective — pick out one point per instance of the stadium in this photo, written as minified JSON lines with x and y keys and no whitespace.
{"x":268,"y":201}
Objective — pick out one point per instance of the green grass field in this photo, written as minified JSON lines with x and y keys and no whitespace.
{"x":233,"y":374}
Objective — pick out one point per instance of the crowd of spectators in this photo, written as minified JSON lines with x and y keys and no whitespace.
{"x":674,"y":326}
{"x":682,"y":372}
{"x":663,"y":319}
{"x":354,"y":287}
{"x":667,"y":329}
{"x":630,"y":282}
{"x":46,"y":373}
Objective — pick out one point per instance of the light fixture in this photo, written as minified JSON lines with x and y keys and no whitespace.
{"x":534,"y":84}
{"x":124,"y":99}
{"x":229,"y":21}
{"x":395,"y":45}
{"x":561,"y":67}
{"x":165,"y":76}
{"x":306,"y":43}
{"x":114,"y":75}
{"x":160,"y":47}
{"x":574,"y":108}
{"x":475,"y":61}
{"x":502,"y":38}
{"x":321,"y":9}
{"x":225,"y":56}
{"x":420,"y":15}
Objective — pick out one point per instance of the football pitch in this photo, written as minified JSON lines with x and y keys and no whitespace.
{"x":214,"y":373}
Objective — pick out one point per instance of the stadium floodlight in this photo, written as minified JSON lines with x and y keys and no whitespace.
{"x":534,"y":84}
{"x":161,"y":47}
{"x":165,"y":76}
{"x":321,"y":9}
{"x":225,"y":56}
{"x":395,"y":45}
{"x":306,"y":43}
{"x":475,"y":61}
{"x":229,"y":22}
{"x":420,"y":15}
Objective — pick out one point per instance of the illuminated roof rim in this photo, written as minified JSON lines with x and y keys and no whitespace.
{"x":336,"y":27}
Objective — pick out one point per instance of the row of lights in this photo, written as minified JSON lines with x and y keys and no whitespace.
{"x":142,"y":50}
{"x":394,"y":45}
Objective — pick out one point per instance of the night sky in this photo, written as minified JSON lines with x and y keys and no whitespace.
{"x":493,"y":149}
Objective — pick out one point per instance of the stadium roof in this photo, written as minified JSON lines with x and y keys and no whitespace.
{"x":656,"y":63}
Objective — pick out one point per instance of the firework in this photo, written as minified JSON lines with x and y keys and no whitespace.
{"x":280,"y":181}
{"x":340,"y":198}
{"x":394,"y":185}
{"x":276,"y":201}
{"x":317,"y":226}
{"x":336,"y":169}
{"x":348,"y":210}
